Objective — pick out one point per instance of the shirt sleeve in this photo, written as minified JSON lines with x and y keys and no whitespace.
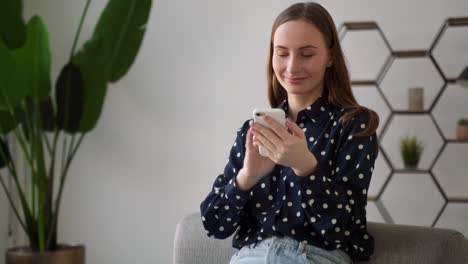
{"x":223,"y":208}
{"x":336,"y":198}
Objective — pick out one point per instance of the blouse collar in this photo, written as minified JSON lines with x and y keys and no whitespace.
{"x":317,"y":109}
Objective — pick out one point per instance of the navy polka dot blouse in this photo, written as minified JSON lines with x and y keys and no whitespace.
{"x":326,"y":209}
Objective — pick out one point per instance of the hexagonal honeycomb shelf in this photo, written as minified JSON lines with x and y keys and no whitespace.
{"x":380,"y":78}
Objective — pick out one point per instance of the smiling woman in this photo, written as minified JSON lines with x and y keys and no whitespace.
{"x":305,"y":201}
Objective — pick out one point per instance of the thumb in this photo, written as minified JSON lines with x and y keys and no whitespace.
{"x":250,"y":143}
{"x":295,"y":129}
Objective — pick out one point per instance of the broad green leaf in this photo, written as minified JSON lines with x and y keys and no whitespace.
{"x":123,"y":25}
{"x":34,"y":59}
{"x":69,"y":98}
{"x":12,"y":29}
{"x":19,"y":7}
{"x":5,"y":156}
{"x":92,"y":62}
{"x":13,"y":88}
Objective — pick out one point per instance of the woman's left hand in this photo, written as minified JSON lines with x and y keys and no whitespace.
{"x":283,"y":148}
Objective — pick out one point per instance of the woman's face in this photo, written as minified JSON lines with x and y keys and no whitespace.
{"x":300,"y":58}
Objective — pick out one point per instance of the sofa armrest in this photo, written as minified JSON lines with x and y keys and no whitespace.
{"x":416,"y":244}
{"x":193,"y":246}
{"x":456,"y":249}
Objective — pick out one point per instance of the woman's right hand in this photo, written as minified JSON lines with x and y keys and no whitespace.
{"x":255,"y":165}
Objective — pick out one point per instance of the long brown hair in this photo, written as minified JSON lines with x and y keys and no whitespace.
{"x":337,"y":84}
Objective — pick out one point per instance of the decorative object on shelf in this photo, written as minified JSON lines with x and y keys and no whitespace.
{"x":46,"y":122}
{"x":411,"y":149}
{"x":462,"y":129}
{"x":463,"y":78}
{"x":416,"y":99}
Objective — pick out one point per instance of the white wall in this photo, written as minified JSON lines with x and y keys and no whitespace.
{"x":167,"y":127}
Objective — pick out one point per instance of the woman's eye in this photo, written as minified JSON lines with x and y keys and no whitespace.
{"x":286,"y":55}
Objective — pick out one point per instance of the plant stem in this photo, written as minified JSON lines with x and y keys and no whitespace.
{"x":78,"y":31}
{"x":71,"y":146}
{"x":75,"y":41}
{"x":46,"y":140}
{"x":24,"y":202}
{"x":63,"y":176}
{"x":41,"y":177}
{"x":12,"y":204}
{"x":64,"y":168}
{"x":28,"y":134}
{"x":11,"y":170}
{"x":63,"y":159}
{"x":23,"y":148}
{"x":52,"y":229}
{"x":17,"y":134}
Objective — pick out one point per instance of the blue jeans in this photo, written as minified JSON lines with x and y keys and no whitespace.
{"x":276,"y":250}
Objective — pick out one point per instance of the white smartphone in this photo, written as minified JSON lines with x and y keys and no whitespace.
{"x":275,"y":113}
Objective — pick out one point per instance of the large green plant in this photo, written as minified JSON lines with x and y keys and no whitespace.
{"x":39,"y":117}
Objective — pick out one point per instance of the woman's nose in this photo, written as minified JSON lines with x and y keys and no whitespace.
{"x":293,"y":65}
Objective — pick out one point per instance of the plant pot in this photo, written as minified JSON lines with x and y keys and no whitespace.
{"x":66,"y":254}
{"x":462,"y":132}
{"x":410,"y":167}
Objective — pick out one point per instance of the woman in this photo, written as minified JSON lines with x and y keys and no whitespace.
{"x":305,"y":202}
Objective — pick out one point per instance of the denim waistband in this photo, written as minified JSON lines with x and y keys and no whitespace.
{"x":299,"y":247}
{"x":267,"y":242}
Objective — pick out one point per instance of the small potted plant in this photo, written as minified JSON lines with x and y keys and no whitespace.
{"x":462,"y":129}
{"x":411,"y":149}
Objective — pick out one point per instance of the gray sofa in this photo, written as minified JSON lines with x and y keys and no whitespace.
{"x":393,"y":244}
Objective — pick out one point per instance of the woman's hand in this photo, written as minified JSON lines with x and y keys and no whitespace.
{"x":255,"y":165}
{"x":283,"y":148}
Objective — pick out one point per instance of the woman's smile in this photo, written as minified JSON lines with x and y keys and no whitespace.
{"x":295,"y":80}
